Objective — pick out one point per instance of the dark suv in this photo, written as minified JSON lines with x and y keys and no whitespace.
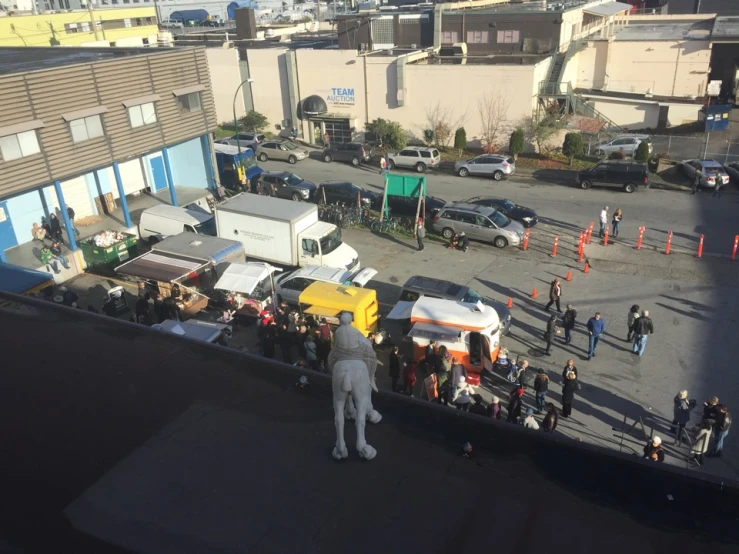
{"x":615,"y":173}
{"x":353,"y":152}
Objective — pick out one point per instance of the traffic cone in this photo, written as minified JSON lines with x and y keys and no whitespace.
{"x":587,"y":268}
{"x":533,"y":293}
{"x":510,"y":302}
{"x":569,"y":276}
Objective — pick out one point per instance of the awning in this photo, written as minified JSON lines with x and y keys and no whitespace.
{"x":322,"y":312}
{"x":401,"y":310}
{"x":193,"y":329}
{"x":21,"y":280}
{"x":244,"y":278}
{"x":363,"y":277}
{"x":432,"y":331}
{"x":610,"y":8}
{"x":156,"y":266}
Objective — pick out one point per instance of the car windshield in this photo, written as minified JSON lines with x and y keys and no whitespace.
{"x":472,"y":297}
{"x":508,"y":205}
{"x":290,"y":145}
{"x":354,"y":188}
{"x":248,"y":160}
{"x":500,"y":220}
{"x":207,"y":227}
{"x":285,"y":276}
{"x":331,"y":242}
{"x":294,"y":180}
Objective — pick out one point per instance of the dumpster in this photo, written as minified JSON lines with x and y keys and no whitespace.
{"x":109,"y":248}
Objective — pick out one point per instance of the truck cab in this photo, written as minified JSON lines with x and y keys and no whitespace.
{"x":238,"y":171}
{"x":321,"y":244}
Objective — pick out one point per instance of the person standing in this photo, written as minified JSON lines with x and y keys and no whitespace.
{"x":56,"y":228}
{"x":720,"y":430}
{"x":311,"y":352}
{"x":603,"y":221}
{"x":552,"y":330}
{"x":326,"y":140}
{"x":293,"y":133}
{"x":568,"y":322}
{"x":596,"y":326}
{"x":681,"y":414}
{"x":529,"y":421}
{"x":409,"y":377}
{"x":549,"y":424}
{"x":568,"y":394}
{"x":710,"y":409}
{"x":420,"y":233}
{"x":631,"y":317}
{"x":700,"y":444}
{"x":541,"y":387}
{"x":70,"y":214}
{"x":394,"y":368}
{"x":268,"y":339}
{"x":569,"y":366}
{"x":383,"y":165}
{"x":515,"y":405}
{"x":494,"y":410}
{"x":555,"y":292}
{"x":696,"y":182}
{"x":642,"y":328}
{"x":717,"y":188}
{"x":285,"y":340}
{"x":463,"y":395}
{"x":618,"y":215}
{"x":458,"y":370}
{"x":653,"y":450}
{"x":443,"y":383}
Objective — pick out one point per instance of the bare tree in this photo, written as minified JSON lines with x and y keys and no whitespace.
{"x":442,"y":121}
{"x":492,"y":108}
{"x":540,"y":131}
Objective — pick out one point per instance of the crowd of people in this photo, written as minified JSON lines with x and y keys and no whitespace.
{"x":49,"y":234}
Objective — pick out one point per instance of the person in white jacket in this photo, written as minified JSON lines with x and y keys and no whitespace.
{"x":700,"y":444}
{"x":463,"y":395}
{"x":603,"y":221}
{"x":529,"y":421}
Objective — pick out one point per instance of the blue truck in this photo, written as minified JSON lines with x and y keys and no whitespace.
{"x":238,"y":171}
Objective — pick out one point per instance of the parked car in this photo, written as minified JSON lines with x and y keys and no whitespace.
{"x":626,"y":175}
{"x":415,"y":157}
{"x":403,"y":205}
{"x":245,"y":139}
{"x":486,"y":165}
{"x":343,"y":191}
{"x":171,"y":24}
{"x":710,"y":171}
{"x":418,"y":286}
{"x":353,"y":152}
{"x":525,"y":216}
{"x":733,"y":170}
{"x":212,"y":22}
{"x":626,"y":144}
{"x":284,"y":184}
{"x":289,"y":286}
{"x":284,"y":150}
{"x":478,"y":223}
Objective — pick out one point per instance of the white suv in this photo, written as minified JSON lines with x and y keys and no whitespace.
{"x":419,"y":158}
{"x":171,"y":24}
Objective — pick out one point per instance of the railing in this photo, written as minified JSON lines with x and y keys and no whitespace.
{"x":578,"y":104}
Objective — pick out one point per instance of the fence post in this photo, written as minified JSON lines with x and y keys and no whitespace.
{"x":669,"y":144}
{"x":728,"y":149}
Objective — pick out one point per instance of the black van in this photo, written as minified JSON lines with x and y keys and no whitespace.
{"x":615,"y":173}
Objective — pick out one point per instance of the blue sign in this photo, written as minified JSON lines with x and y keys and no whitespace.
{"x":341,"y":96}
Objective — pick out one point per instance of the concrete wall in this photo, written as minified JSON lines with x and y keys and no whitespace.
{"x":680,"y":114}
{"x":188,"y":165}
{"x":225,"y":79}
{"x":270,"y":87}
{"x":631,"y":115}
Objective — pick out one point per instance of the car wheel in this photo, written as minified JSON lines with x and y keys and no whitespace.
{"x":629,"y":187}
{"x":355,"y":161}
{"x":420,"y":167}
{"x":500,"y":242}
{"x":297,"y":197}
{"x":463,"y":172}
{"x":586,"y":184}
{"x":263,"y":157}
{"x":327,"y":158}
{"x":447,"y":233}
{"x":390,"y":164}
{"x":293,"y":160}
{"x":498,"y":175}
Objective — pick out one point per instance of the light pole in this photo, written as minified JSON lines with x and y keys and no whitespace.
{"x":236,"y":123}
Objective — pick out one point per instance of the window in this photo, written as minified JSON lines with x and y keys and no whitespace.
{"x":189,"y":102}
{"x":449,"y":214}
{"x":86,"y":128}
{"x":500,"y":220}
{"x":477,"y":37}
{"x":449,"y":37}
{"x":142,"y":114}
{"x":409,"y":153}
{"x":20,"y":145}
{"x":509,"y":37}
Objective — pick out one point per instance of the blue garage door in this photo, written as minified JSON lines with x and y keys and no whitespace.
{"x":157,"y":172}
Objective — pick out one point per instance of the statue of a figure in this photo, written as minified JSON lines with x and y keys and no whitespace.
{"x":352,"y":363}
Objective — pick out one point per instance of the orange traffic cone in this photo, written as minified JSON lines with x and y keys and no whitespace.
{"x":510,"y":302}
{"x":533,"y":293}
{"x":569,"y":276}
{"x":587,"y":268}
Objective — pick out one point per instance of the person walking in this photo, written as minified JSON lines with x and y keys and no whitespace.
{"x":700,"y":444}
{"x":681,"y":414}
{"x":555,"y":292}
{"x":569,"y":366}
{"x":696,"y":182}
{"x":383,"y":165}
{"x":631,"y":317}
{"x":552,"y":330}
{"x":642,"y":328}
{"x":420,"y":233}
{"x":720,"y":430}
{"x":596,"y":327}
{"x":618,"y":215}
{"x":394,"y":368}
{"x":549,"y":423}
{"x":70,"y":214}
{"x":717,"y":188}
{"x":515,"y":405}
{"x":568,"y":322}
{"x":568,"y":393}
{"x":603,"y":221}
{"x":653,"y":450}
{"x":541,"y":387}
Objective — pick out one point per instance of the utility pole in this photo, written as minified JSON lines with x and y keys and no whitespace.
{"x":102,"y":29}
{"x":92,"y":19}
{"x":54,"y":41}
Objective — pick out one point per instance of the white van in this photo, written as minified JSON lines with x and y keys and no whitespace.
{"x":163,"y":220}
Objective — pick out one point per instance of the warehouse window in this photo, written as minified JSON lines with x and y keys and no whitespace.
{"x":142,"y":114}
{"x":19,"y":145}
{"x":449,"y":37}
{"x":477,"y":37}
{"x":86,"y":128}
{"x":509,"y":37}
{"x":189,"y":102}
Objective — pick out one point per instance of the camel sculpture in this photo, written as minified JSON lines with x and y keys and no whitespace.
{"x":352,"y":363}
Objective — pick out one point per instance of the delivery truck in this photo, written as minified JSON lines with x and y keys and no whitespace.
{"x":283,"y":232}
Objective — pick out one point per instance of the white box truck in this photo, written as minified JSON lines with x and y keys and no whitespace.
{"x":283,"y":232}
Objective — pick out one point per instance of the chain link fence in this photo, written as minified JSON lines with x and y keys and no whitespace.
{"x":678,"y":147}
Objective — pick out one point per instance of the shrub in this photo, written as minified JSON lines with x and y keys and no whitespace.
{"x":253,"y":121}
{"x":428,"y":136}
{"x":642,"y":152}
{"x":460,"y":140}
{"x":390,"y":132}
{"x":516,"y":143}
{"x":617,"y":155}
{"x":572,"y":146}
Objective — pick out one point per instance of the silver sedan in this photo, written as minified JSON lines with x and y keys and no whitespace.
{"x":490,"y":165}
{"x":284,"y":150}
{"x":710,"y":172}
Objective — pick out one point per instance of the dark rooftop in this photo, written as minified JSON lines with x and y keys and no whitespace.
{"x":550,"y":6}
{"x":33,"y":58}
{"x":641,"y":97}
{"x":124,"y":439}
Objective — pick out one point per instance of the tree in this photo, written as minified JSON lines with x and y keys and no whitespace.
{"x":253,"y":121}
{"x":460,"y":140}
{"x":390,"y":132}
{"x":572,"y":145}
{"x":642,"y":152}
{"x":517,"y":142}
{"x":441,"y":120}
{"x":442,"y":133}
{"x":492,"y":109}
{"x":540,"y":131}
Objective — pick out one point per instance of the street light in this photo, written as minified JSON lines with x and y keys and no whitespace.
{"x":236,"y":124}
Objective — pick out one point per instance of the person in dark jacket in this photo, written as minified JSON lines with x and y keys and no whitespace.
{"x":596,"y":327}
{"x":555,"y":293}
{"x":720,"y":430}
{"x":142,"y":308}
{"x":160,"y":309}
{"x":710,"y":409}
{"x":394,"y":368}
{"x":494,"y":410}
{"x":443,"y":382}
{"x":477,"y":406}
{"x":268,"y":339}
{"x":541,"y":386}
{"x":285,"y":340}
{"x":56,"y":228}
{"x":569,"y":366}
{"x":631,"y":317}
{"x":642,"y":328}
{"x":549,"y":423}
{"x":568,"y":322}
{"x":568,"y":393}
{"x":552,"y":330}
{"x":70,"y":213}
{"x":653,"y":450}
{"x":515,"y":405}
{"x":681,"y":414}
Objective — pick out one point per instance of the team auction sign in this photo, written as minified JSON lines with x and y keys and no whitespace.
{"x":341,"y":96}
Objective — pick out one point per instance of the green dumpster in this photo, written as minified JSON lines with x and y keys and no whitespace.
{"x":109,"y":248}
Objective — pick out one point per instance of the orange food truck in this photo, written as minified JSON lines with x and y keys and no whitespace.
{"x":470,"y":332}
